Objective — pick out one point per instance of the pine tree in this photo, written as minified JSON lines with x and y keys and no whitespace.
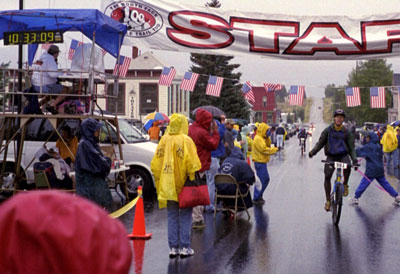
{"x":3,"y":66}
{"x":231,"y":100}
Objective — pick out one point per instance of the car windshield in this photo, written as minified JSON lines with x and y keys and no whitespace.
{"x":131,"y":134}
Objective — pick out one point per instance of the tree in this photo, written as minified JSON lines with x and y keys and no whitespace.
{"x":330,"y":90}
{"x":280,"y":95}
{"x":373,"y":73}
{"x":231,"y":100}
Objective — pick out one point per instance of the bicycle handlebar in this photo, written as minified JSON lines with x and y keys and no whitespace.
{"x":333,"y":162}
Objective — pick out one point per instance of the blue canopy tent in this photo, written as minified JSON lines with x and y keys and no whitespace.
{"x":105,"y":31}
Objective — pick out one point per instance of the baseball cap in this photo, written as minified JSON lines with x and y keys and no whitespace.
{"x":53,"y":49}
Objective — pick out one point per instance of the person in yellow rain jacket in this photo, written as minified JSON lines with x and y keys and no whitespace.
{"x":260,"y":152}
{"x":389,"y":143}
{"x":174,"y":161}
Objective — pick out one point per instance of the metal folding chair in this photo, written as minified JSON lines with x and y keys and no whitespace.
{"x":221,"y":178}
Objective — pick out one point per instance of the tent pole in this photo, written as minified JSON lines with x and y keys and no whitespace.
{"x":91,"y":75}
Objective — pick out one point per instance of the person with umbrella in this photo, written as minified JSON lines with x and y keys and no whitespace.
{"x":154,"y":132}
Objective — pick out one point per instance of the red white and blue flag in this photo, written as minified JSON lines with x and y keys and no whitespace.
{"x":296,"y":95}
{"x":74,"y":45}
{"x":166,"y":77}
{"x":272,"y":87}
{"x":248,"y":92}
{"x":122,"y":66}
{"x":353,"y":98}
{"x":214,"y":86}
{"x":377,"y":95}
{"x":189,"y":81}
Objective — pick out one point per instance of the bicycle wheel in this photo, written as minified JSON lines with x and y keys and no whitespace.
{"x":337,"y":200}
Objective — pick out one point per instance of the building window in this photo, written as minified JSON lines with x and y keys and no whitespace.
{"x":269,"y":118}
{"x":258,"y":117}
{"x":264,"y":101}
{"x":116,"y":105}
{"x":148,"y":98}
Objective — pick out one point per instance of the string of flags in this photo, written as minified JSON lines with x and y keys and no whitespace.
{"x":376,"y":94}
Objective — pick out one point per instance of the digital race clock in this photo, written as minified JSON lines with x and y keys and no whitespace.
{"x":33,"y":37}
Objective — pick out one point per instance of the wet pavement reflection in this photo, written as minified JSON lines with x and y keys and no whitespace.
{"x":291,"y":233}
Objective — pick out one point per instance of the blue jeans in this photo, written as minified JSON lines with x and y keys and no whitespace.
{"x":381,"y":180}
{"x":262,"y":173}
{"x":391,"y":155}
{"x":179,"y":225}
{"x":210,"y":175}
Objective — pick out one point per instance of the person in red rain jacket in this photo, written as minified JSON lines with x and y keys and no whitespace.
{"x":204,"y":133}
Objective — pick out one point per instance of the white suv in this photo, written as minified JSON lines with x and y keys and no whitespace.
{"x":137,"y":151}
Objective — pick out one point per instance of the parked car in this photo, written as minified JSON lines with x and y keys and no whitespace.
{"x":136,"y":149}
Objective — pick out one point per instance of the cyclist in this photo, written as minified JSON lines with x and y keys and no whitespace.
{"x":302,"y":134}
{"x":338,"y":146}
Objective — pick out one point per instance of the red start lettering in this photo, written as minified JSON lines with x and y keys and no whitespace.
{"x":201,"y":30}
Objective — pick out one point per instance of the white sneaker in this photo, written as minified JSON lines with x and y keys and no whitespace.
{"x":186,"y":252}
{"x":397,"y":200}
{"x":353,"y":200}
{"x":173,"y":252}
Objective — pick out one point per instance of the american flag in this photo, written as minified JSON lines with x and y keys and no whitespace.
{"x":46,"y":46}
{"x":74,"y":45}
{"x":214,"y":86}
{"x":122,"y":66}
{"x":272,"y":87}
{"x":296,"y":95}
{"x":248,"y":92}
{"x":189,"y":81}
{"x":353,"y":98}
{"x":377,"y":95}
{"x":167,"y":75}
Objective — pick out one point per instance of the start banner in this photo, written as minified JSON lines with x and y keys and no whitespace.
{"x":174,"y":26}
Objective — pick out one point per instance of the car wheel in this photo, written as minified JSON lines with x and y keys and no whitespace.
{"x":136,"y":177}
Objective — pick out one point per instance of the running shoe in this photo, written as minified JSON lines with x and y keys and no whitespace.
{"x":397,"y":200}
{"x":346,"y":190}
{"x":353,"y":200}
{"x":186,"y":252}
{"x":174,"y":252}
{"x":328,"y":206}
{"x":197,"y":225}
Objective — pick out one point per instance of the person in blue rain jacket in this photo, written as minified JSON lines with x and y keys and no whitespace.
{"x":236,"y":166}
{"x":91,"y":166}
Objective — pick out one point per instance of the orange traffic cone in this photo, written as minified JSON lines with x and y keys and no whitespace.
{"x":139,"y":226}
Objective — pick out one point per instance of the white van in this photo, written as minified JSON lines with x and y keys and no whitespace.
{"x":137,"y":151}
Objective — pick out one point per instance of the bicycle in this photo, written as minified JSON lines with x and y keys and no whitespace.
{"x":303,"y":145}
{"x":337,"y":191}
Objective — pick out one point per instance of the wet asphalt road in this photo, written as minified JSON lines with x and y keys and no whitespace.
{"x":291,"y":233}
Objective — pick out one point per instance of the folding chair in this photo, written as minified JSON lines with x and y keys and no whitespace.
{"x":229,"y":179}
{"x":41,"y":180}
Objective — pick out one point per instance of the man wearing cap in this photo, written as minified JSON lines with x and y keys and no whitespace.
{"x":45,"y":77}
{"x":338,"y":146}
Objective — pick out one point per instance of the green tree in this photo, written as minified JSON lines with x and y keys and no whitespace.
{"x":330,"y":90}
{"x":231,"y":100}
{"x":372,"y":73}
{"x":280,"y":95}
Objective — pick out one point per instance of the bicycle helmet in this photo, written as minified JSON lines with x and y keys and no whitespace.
{"x":339,"y":112}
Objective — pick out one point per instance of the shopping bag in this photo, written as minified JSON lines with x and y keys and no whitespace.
{"x":194,"y":193}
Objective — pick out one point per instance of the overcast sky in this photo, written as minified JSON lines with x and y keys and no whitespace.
{"x":313,"y":74}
